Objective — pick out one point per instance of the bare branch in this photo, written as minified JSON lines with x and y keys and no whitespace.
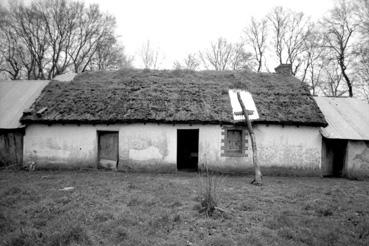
{"x":48,"y":37}
{"x":191,"y":62}
{"x":290,"y":29}
{"x":149,"y":56}
{"x":256,"y":37}
{"x":224,"y":55}
{"x":340,"y":27}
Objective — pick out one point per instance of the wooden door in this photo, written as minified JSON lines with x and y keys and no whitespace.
{"x":108,"y":150}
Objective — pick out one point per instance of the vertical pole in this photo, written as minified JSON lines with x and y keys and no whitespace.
{"x":258,"y":176}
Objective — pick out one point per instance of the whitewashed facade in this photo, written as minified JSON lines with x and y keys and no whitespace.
{"x":154,"y":147}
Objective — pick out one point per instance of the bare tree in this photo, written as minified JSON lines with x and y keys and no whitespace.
{"x":240,"y":59}
{"x":49,"y":37}
{"x":278,"y":19}
{"x":191,"y":62}
{"x":332,"y":84}
{"x":110,"y":56}
{"x":362,"y":84}
{"x":60,"y":20}
{"x":361,"y":9}
{"x":361,"y":65}
{"x":314,"y":57}
{"x":32,"y":31}
{"x":256,"y":37}
{"x":92,"y":28}
{"x":218,"y":57}
{"x":340,"y":27}
{"x":9,"y":47}
{"x":177,"y":65}
{"x":289,"y":30}
{"x":224,"y":55}
{"x":362,"y":71}
{"x":149,"y":56}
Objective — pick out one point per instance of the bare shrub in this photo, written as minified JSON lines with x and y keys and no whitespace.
{"x":208,"y":191}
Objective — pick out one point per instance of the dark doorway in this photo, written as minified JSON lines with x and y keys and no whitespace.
{"x":108,"y":149}
{"x":335,"y":156}
{"x":187,"y":149}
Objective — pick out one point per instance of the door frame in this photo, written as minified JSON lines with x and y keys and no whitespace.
{"x":99,"y":133}
{"x":198,"y":145}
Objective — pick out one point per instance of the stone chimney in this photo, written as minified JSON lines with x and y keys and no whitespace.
{"x":285,"y":69}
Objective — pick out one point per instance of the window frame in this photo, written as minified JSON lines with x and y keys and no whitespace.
{"x":225,"y":150}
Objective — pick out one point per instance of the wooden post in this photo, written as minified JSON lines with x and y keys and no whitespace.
{"x":258,"y":176}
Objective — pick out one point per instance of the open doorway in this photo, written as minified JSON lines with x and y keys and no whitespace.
{"x":335,"y":156}
{"x":108,"y":154}
{"x":187,"y":149}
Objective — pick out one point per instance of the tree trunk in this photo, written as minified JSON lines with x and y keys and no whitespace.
{"x":347,"y":79}
{"x":348,"y":82}
{"x":258,"y":176}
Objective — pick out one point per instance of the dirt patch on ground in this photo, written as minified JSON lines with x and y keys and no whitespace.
{"x":114,"y":208}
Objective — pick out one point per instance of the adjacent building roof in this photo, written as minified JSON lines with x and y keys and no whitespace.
{"x":173,"y":97}
{"x":65,"y":77}
{"x":348,"y":118}
{"x":15,"y":97}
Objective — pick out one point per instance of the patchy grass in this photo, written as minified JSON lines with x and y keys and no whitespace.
{"x":114,"y":208}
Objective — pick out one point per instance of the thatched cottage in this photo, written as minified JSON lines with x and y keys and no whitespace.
{"x":346,"y":138}
{"x":173,"y":120}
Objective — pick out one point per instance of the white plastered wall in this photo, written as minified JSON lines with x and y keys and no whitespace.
{"x":357,"y":158}
{"x":60,"y":145}
{"x":155,"y":145}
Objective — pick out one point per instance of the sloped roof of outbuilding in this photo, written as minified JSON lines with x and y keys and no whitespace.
{"x":16,"y":97}
{"x":65,"y":77}
{"x":348,"y":118}
{"x":173,"y":97}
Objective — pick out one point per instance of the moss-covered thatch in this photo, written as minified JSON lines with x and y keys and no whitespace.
{"x":173,"y":97}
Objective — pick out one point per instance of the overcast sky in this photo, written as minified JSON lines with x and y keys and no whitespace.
{"x":179,"y":27}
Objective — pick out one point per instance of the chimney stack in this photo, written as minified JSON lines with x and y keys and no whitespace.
{"x":285,"y":69}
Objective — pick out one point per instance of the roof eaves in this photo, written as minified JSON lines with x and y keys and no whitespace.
{"x":211,"y":122}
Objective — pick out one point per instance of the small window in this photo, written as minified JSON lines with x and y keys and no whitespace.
{"x":233,"y":142}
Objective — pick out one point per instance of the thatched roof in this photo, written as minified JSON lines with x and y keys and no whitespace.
{"x":172,"y":97}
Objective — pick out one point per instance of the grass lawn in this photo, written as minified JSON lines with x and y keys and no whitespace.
{"x":115,"y":208}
